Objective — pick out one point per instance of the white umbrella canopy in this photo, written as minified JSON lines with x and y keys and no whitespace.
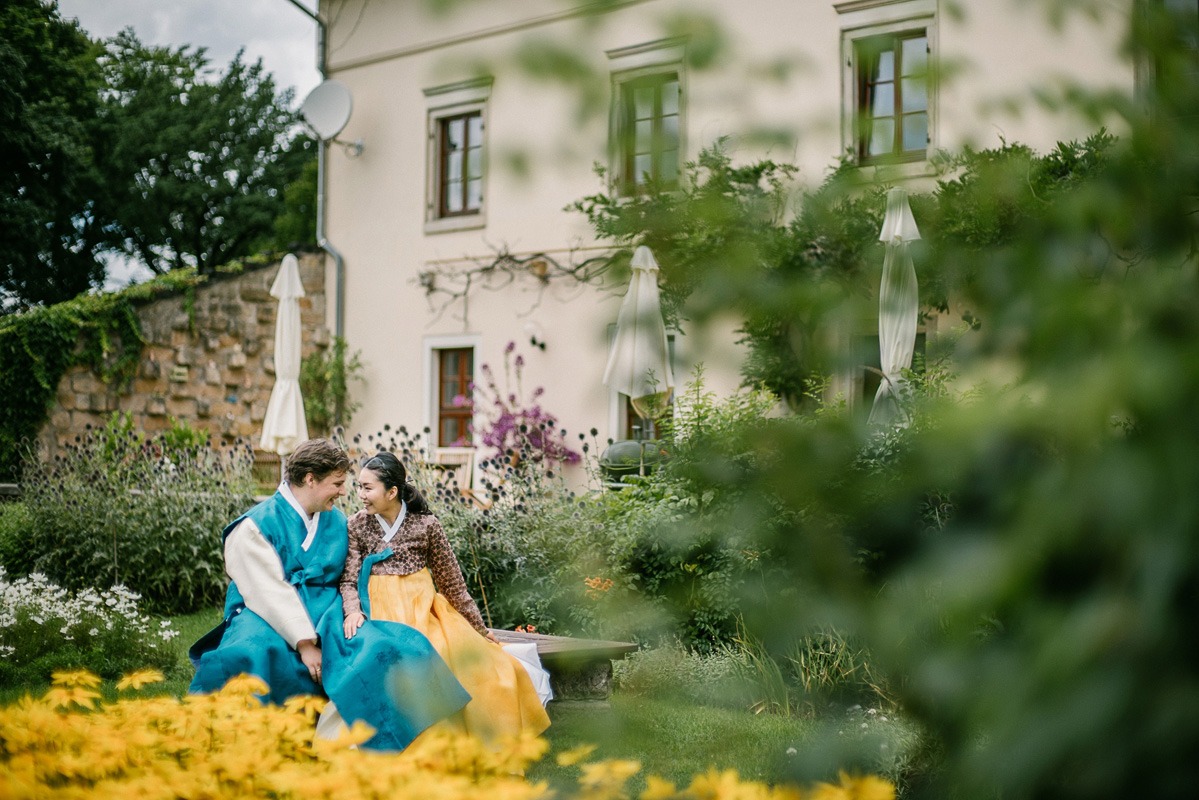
{"x":285,"y":425}
{"x":898,"y":309}
{"x":639,"y":363}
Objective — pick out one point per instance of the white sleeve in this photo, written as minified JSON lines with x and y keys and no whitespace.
{"x":254,"y":566}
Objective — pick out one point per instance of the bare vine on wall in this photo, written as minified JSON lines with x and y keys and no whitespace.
{"x":446,"y":285}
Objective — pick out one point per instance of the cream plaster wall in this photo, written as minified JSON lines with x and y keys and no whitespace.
{"x":782,"y":73}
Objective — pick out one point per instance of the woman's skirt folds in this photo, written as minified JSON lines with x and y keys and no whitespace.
{"x":504,"y":702}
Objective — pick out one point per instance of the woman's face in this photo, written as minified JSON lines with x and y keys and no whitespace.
{"x":375,"y":497}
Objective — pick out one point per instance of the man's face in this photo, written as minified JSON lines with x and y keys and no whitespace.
{"x":326,"y":491}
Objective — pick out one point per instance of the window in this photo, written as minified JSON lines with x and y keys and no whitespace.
{"x":637,"y":428}
{"x":888,"y":101}
{"x":457,"y":154}
{"x":892,"y":115}
{"x":460,"y":164}
{"x":455,"y":372}
{"x":648,"y":131}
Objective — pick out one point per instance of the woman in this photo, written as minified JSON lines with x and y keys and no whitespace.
{"x":284,"y":558}
{"x":401,"y":567}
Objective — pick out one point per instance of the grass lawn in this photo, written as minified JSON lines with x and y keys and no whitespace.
{"x":672,"y":740}
{"x":190,"y":627}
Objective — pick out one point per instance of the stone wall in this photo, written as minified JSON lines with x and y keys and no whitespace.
{"x":208,"y":361}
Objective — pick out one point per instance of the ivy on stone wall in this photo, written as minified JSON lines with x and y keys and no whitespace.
{"x":37,"y":347}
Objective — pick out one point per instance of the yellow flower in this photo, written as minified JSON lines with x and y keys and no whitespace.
{"x":721,"y":785}
{"x":867,"y":787}
{"x":575,"y":755}
{"x":658,"y":789}
{"x":608,"y":777}
{"x":140,"y":678}
{"x":356,"y":734}
{"x":309,"y":705}
{"x":66,"y":696}
{"x":244,"y":685}
{"x":827,"y":791}
{"x":75,"y":677}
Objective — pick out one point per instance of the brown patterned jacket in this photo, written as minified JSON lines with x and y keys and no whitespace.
{"x":420,"y":542}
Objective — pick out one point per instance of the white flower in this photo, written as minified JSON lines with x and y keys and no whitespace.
{"x":791,"y":751}
{"x":94,"y":632}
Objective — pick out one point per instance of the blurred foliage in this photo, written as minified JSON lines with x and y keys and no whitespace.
{"x":799,"y":275}
{"x":1039,"y":624}
{"x":121,"y":507}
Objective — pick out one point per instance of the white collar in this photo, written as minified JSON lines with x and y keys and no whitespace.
{"x":310,"y":523}
{"x":389,"y":531}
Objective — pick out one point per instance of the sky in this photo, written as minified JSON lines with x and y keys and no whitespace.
{"x":274,"y":30}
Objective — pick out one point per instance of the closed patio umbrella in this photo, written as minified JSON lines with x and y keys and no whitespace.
{"x":639,"y":363}
{"x":898,"y":310}
{"x":285,"y":425}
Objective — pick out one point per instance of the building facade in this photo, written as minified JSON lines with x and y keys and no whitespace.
{"x":479,"y":126}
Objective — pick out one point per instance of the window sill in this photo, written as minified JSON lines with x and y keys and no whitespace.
{"x":920,"y":167}
{"x":466,"y":222}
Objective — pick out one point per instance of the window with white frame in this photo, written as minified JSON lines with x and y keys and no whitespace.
{"x":889,"y":109}
{"x":455,"y":373}
{"x":449,"y":378}
{"x":457,"y":127}
{"x":647,"y":125}
{"x":647,"y":116}
{"x":460,"y":164}
{"x":891,"y":117}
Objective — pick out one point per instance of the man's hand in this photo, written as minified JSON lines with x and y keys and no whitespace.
{"x":310,"y":654}
{"x":353,"y":623}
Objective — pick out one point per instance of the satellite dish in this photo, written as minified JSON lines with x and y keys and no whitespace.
{"x":327,"y":108}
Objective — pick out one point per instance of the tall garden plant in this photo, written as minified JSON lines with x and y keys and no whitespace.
{"x":118,"y":507}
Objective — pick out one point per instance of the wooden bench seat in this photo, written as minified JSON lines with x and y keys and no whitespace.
{"x":580,"y":669}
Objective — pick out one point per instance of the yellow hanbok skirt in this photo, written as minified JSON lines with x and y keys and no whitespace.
{"x":503,"y":703}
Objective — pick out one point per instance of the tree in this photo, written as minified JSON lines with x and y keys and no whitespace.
{"x":48,"y":101}
{"x":195,"y":168}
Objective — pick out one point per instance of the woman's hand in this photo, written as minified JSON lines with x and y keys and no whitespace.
{"x":310,"y":654}
{"x":353,"y":623}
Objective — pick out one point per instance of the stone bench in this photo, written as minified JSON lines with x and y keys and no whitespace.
{"x":580,"y":669}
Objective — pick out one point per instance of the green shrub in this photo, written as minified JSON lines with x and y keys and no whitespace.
{"x":44,"y":628}
{"x":15,"y":526}
{"x":656,"y":561}
{"x":671,"y":671}
{"x":117,"y":507}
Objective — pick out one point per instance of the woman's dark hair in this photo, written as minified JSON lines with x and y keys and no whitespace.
{"x":321,"y":457}
{"x":391,"y":473}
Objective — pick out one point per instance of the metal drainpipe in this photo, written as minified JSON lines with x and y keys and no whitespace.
{"x":322,"y":241}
